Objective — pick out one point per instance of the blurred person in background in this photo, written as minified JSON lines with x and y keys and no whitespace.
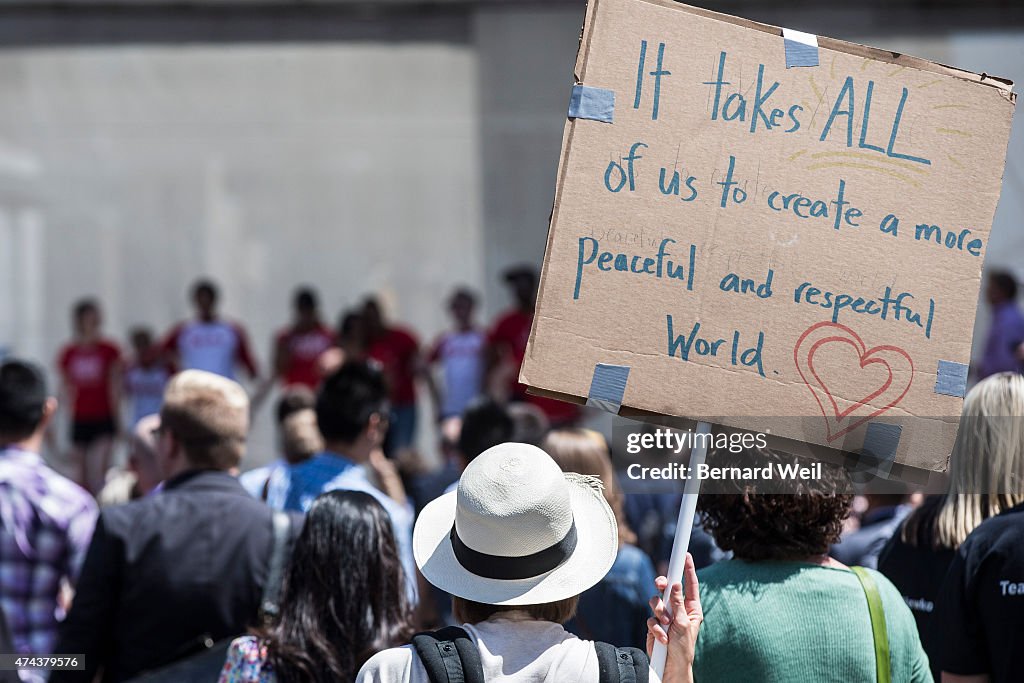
{"x":90,"y":370}
{"x":207,"y":342}
{"x":141,"y":474}
{"x":146,"y":375}
{"x":297,"y":347}
{"x":448,"y":433}
{"x":352,"y":335}
{"x":350,"y":344}
{"x":425,"y":481}
{"x":508,"y":336}
{"x":460,"y":353}
{"x":343,"y":599}
{"x":46,"y":521}
{"x":352,"y":416}
{"x":485,"y":423}
{"x":616,"y":609}
{"x":986,"y":471}
{"x":169,"y":575}
{"x":783,"y":610}
{"x":654,"y":516}
{"x":298,"y":438}
{"x":880,"y":519}
{"x":506,"y":349}
{"x":1006,"y":331}
{"x":530,"y":423}
{"x":397,"y":351}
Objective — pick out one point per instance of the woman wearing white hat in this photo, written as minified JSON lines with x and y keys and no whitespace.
{"x":515,"y":545}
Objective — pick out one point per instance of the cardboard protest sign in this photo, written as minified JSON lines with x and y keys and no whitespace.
{"x":774,"y":233}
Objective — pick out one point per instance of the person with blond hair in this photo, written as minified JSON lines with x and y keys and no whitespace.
{"x":985,"y":478}
{"x":298,"y":438}
{"x":616,"y":609}
{"x":979,"y":604}
{"x":170,"y":574}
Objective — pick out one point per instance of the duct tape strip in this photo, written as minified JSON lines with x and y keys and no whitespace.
{"x":801,"y":48}
{"x":882,"y":440}
{"x":878,"y":455}
{"x":608,"y":387}
{"x":597,"y":104}
{"x":951,"y":378}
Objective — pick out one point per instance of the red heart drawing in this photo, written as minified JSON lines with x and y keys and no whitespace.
{"x":891,"y":391}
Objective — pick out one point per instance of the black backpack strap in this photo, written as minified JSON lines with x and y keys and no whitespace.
{"x":621,"y":664}
{"x":270,"y":603}
{"x":449,"y":655}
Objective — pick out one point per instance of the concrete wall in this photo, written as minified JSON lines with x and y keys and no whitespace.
{"x":526,"y":60}
{"x":127,"y":172}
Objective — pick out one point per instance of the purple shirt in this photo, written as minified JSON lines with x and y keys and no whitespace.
{"x":1006,"y":333}
{"x":46,"y":522}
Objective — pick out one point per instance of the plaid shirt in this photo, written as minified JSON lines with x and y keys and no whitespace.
{"x":46,"y":522}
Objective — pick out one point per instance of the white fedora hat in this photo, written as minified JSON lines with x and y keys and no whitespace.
{"x":518,"y":531}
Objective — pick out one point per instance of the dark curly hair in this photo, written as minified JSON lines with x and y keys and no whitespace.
{"x":799,"y":523}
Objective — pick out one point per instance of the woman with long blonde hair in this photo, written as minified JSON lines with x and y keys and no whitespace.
{"x":986,"y":477}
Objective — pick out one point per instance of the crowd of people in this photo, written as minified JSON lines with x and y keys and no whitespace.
{"x":99,"y":382}
{"x":518,"y":559}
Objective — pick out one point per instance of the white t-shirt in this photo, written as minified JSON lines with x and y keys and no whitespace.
{"x":215,"y":346}
{"x":145,"y":387}
{"x":513,"y":649}
{"x":462,"y":356}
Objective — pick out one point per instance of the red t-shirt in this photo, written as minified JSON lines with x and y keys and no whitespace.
{"x":510,"y":335}
{"x":86,"y":369}
{"x":301,"y":351}
{"x":396,"y":351}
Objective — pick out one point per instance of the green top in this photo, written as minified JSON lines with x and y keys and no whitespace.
{"x":799,"y":622}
